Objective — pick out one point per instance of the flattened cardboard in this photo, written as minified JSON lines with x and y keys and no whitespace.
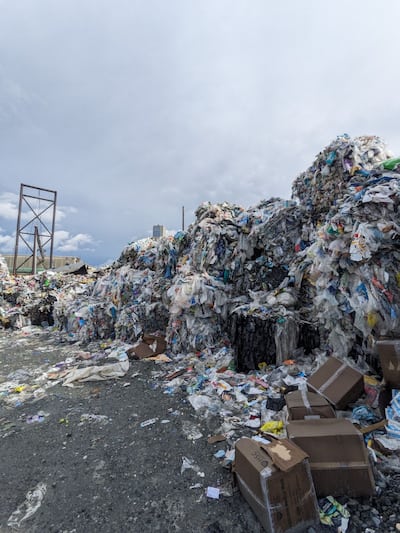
{"x":338,"y":382}
{"x":284,"y":501}
{"x":338,"y":457}
{"x":149,"y":346}
{"x":389,"y":356}
{"x":306,"y":405}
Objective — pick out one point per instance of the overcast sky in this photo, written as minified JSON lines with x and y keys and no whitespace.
{"x":131,"y":109}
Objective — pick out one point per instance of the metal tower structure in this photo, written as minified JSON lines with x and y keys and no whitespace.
{"x":35,"y":226}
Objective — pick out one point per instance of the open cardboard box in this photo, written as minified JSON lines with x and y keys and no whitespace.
{"x":275,"y":480}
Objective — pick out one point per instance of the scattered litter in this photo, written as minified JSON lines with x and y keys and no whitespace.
{"x":89,"y":417}
{"x":220,"y":454}
{"x":31,"y":419}
{"x":212,"y":492}
{"x":274,"y":426}
{"x":191,"y":431}
{"x":148,"y":422}
{"x":332,"y":513}
{"x":246,"y":307}
{"x":98,"y":474}
{"x":216,"y":438}
{"x":29,"y":507}
{"x":393,"y":417}
{"x":189,"y":464}
{"x":96,"y":373}
{"x":196,"y":486}
{"x":162,"y":358}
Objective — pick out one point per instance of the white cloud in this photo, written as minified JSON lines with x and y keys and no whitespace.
{"x":7,"y":244}
{"x":66,"y":243}
{"x":9,"y":203}
{"x":9,"y":206}
{"x":155,"y":105}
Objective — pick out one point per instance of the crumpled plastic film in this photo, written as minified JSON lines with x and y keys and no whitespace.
{"x":198,"y":307}
{"x":352,"y":269}
{"x":323,"y":183}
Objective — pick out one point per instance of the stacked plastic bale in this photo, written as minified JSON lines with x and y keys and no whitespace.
{"x":197,"y":299}
{"x":234,"y":252}
{"x":227,"y":258}
{"x":26,"y":300}
{"x":214,"y":236}
{"x":77,"y":312}
{"x":159,"y":258}
{"x":323,"y":184}
{"x":273,"y":228}
{"x":264,"y":327}
{"x":351,"y":271}
{"x":198,"y":312}
{"x":127,"y":298}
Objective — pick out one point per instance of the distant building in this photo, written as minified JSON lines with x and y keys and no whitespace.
{"x":159,"y":231}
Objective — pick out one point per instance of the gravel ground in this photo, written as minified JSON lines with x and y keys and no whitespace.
{"x":92,"y":465}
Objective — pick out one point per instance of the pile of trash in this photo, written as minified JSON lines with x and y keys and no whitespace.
{"x":324,"y":183}
{"x":279,"y":321}
{"x":348,"y":278}
{"x":279,"y":279}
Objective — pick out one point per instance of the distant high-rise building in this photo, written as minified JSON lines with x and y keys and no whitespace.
{"x":159,"y":231}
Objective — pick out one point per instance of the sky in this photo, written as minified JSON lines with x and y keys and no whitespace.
{"x":131,"y":109}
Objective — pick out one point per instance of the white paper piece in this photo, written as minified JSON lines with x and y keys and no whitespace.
{"x":213,"y":492}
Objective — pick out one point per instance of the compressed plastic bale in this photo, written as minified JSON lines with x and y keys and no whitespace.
{"x":286,"y":338}
{"x":253,"y":340}
{"x":355,"y":294}
{"x":323,"y":183}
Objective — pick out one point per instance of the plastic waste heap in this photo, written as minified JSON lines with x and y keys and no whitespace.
{"x":319,"y":270}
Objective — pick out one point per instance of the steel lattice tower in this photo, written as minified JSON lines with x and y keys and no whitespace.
{"x":36,"y":232}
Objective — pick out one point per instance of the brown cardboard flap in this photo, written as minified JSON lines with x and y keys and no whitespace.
{"x":149,"y":346}
{"x":389,"y":355}
{"x":284,"y":454}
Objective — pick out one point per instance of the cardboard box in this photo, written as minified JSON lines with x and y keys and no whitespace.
{"x":389,"y":356}
{"x":338,"y":456}
{"x":150,"y":346}
{"x":338,"y":382}
{"x":306,"y":405}
{"x":276,"y":481}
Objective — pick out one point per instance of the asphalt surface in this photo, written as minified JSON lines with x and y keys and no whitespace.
{"x":121,"y":455}
{"x":91,"y":458}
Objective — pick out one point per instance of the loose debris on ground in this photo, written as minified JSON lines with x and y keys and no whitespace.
{"x":233,"y":315}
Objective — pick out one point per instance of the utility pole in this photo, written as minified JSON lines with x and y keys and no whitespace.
{"x":183,"y":218}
